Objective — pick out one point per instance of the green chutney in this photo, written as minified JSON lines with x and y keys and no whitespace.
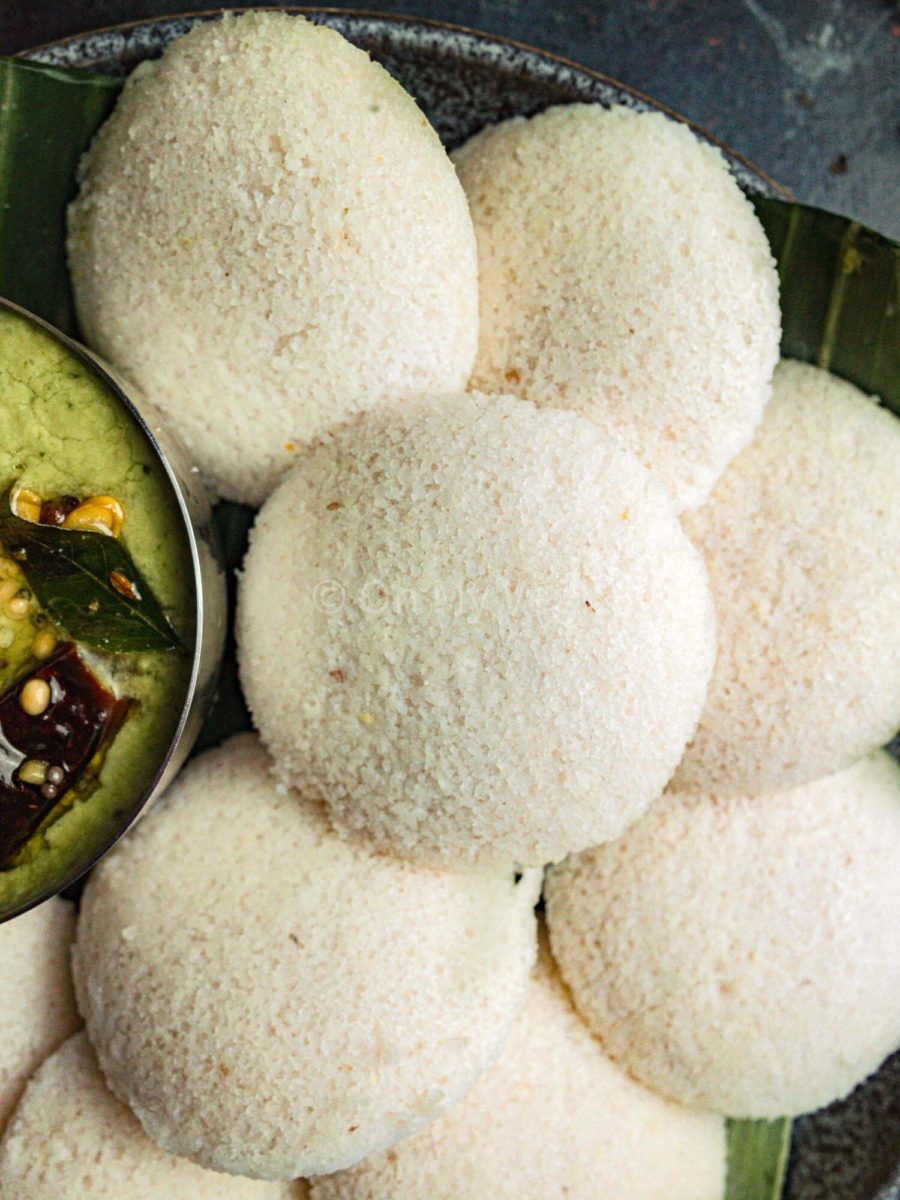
{"x":63,"y":432}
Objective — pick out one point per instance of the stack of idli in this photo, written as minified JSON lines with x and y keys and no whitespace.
{"x":269,"y":237}
{"x":273,"y":1001}
{"x":71,"y":1138}
{"x":738,"y":948}
{"x":542,"y":578}
{"x":554,"y":1118}
{"x":742,"y":953}
{"x":800,"y":537}
{"x":623,"y":274}
{"x":500,"y":634}
{"x":37,"y":1003}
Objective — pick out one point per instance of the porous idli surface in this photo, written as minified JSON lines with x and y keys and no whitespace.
{"x":624,"y":274}
{"x":71,"y":1139}
{"x":272,"y":1001}
{"x":37,"y":1004}
{"x":268,"y":237}
{"x":800,"y":537}
{"x":742,"y":953}
{"x":475,"y":630}
{"x":553,"y":1118}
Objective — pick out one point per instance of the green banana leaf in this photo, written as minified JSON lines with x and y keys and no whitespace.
{"x":47,"y":119}
{"x":757,"y":1159}
{"x":840,"y":295}
{"x":840,"y":287}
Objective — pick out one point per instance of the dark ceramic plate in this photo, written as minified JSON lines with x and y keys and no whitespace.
{"x":465,"y":80}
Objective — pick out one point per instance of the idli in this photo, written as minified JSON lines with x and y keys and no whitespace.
{"x":800,"y":537}
{"x":37,"y":1004}
{"x":475,"y":630}
{"x":268,"y":237}
{"x":553,"y":1118}
{"x":742,"y":953}
{"x":624,"y":274}
{"x":70,"y":1138}
{"x":274,"y":1002}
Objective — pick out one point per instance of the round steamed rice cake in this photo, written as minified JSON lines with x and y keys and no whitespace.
{"x":273,"y":1001}
{"x":624,"y":274}
{"x":553,"y":1118}
{"x":71,"y":1138}
{"x":37,"y":1004}
{"x":475,"y":630}
{"x":742,"y":953}
{"x":800,"y":537}
{"x":268,"y":237}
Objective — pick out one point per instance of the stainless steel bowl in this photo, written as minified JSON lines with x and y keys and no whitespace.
{"x":210,"y":611}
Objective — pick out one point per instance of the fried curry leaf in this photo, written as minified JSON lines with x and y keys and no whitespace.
{"x":78,"y":579}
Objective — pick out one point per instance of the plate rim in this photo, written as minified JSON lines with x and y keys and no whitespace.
{"x":780,"y":190}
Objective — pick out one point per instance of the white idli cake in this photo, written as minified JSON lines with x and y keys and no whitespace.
{"x":275,"y":1002}
{"x":70,"y":1139}
{"x":742,"y":954}
{"x":554,"y":1118}
{"x":269,"y":236}
{"x":37,"y":1004}
{"x":475,"y":630}
{"x":801,"y":539}
{"x":624,"y":274}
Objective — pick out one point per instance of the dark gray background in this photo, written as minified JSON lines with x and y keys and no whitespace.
{"x":807,"y":89}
